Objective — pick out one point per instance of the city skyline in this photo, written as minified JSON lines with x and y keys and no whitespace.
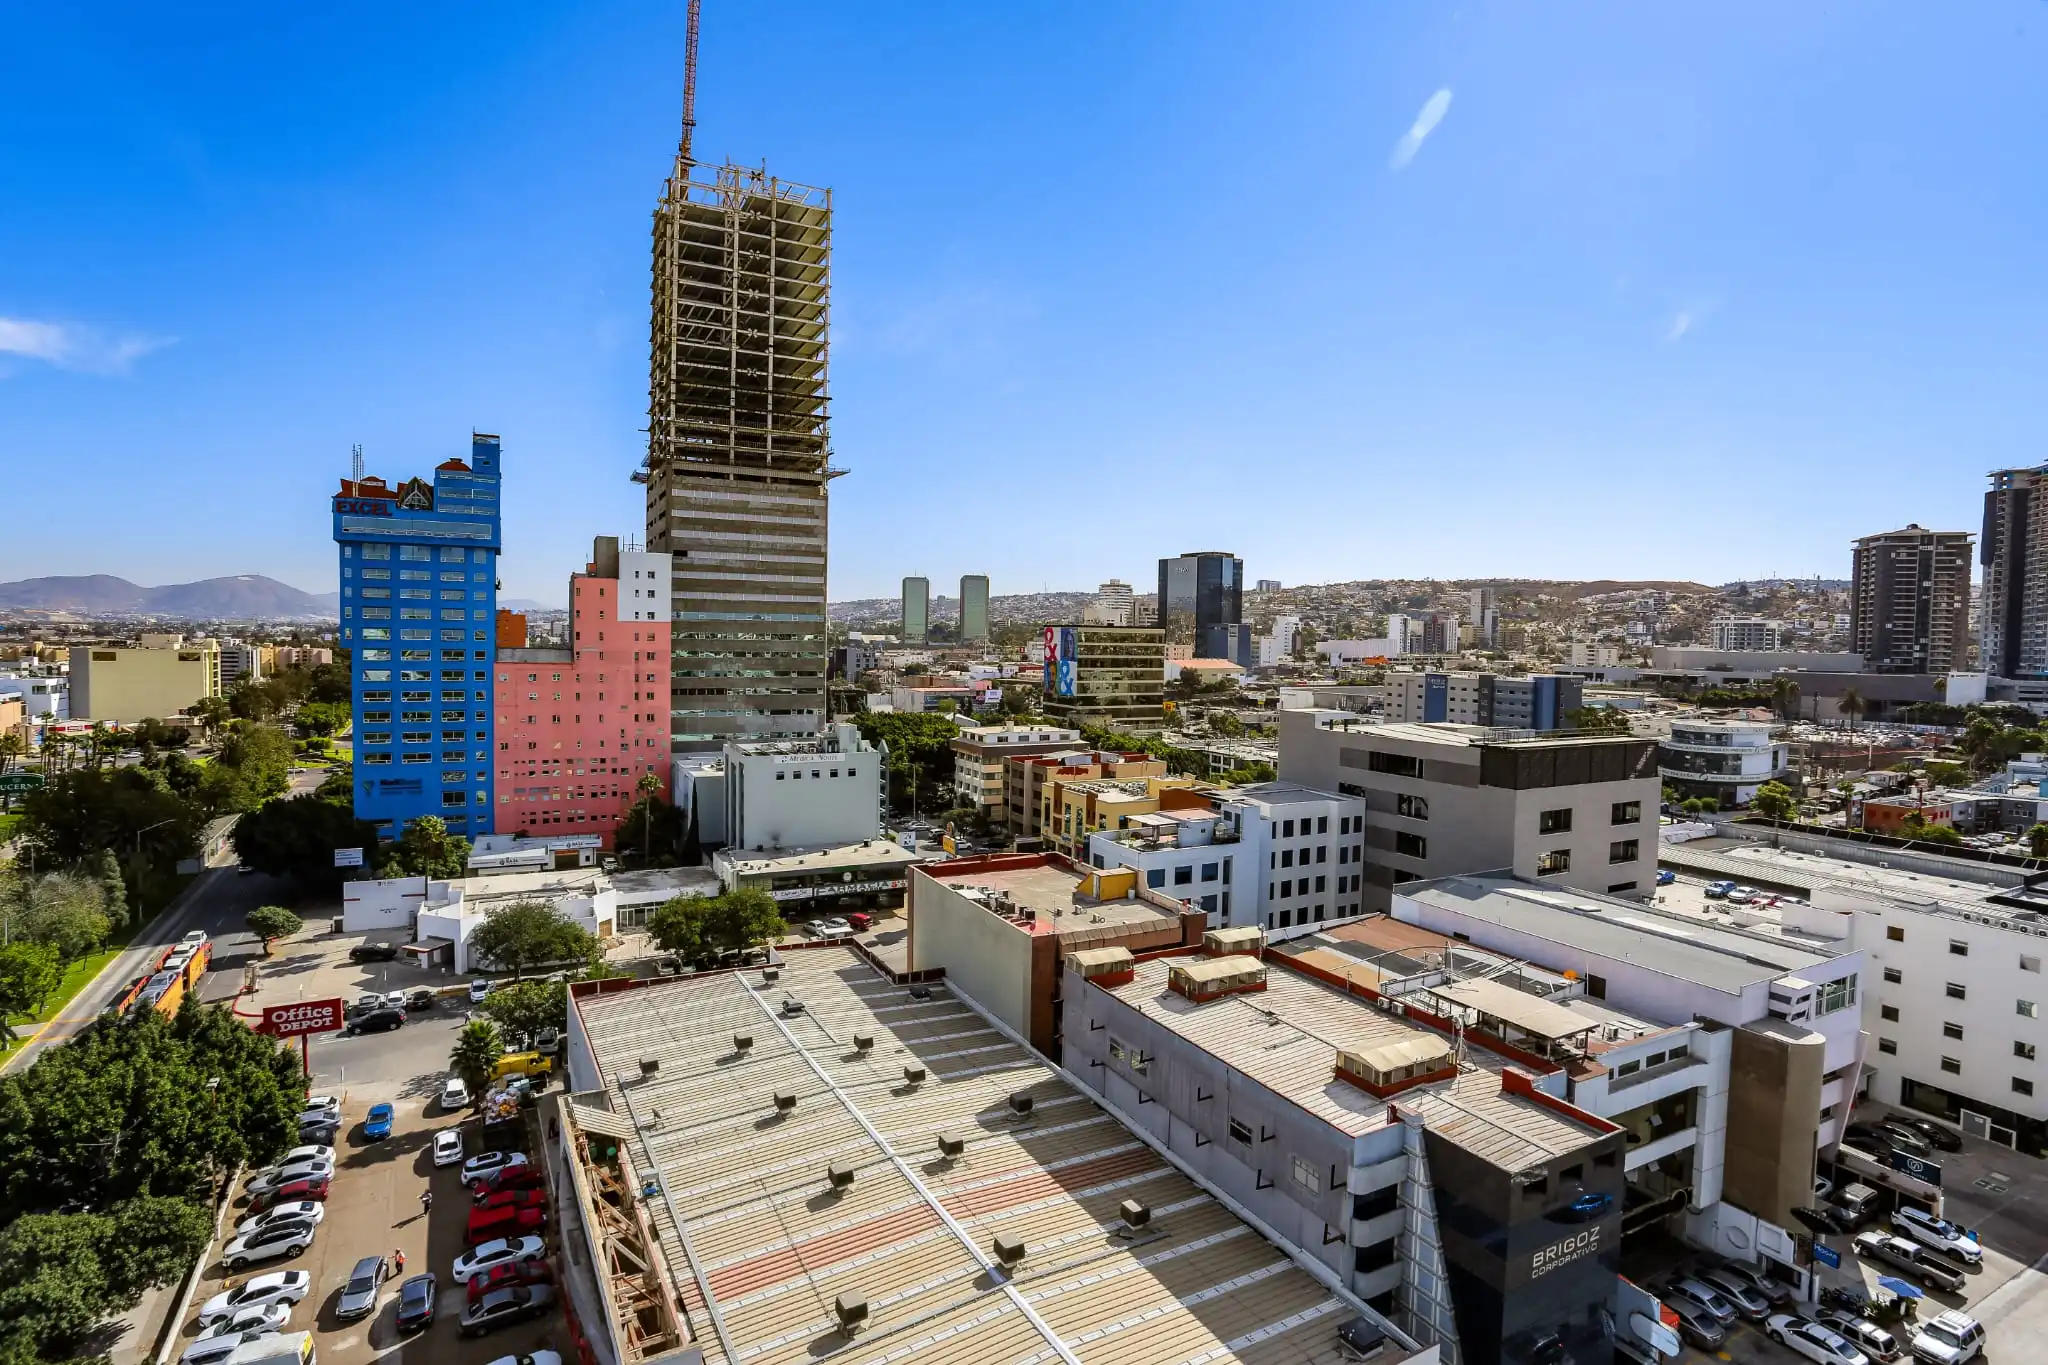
{"x":1640,"y":271}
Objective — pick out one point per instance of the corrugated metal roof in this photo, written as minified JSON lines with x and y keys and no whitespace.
{"x":1208,"y":969}
{"x":1404,"y":1052}
{"x":1526,"y":1012}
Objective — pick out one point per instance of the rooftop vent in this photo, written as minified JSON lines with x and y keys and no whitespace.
{"x":1020,"y":1104}
{"x":852,"y":1311}
{"x":742,"y":1042}
{"x":792,"y":1006}
{"x":863,"y":1042}
{"x":913,"y":1074}
{"x":920,"y":992}
{"x":950,"y":1146}
{"x":1009,"y":1250}
{"x":649,"y":1065}
{"x":1135,"y":1215}
{"x":770,"y":974}
{"x":785,"y":1100}
{"x":839,"y":1176}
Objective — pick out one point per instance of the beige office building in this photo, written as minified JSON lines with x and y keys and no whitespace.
{"x":124,"y":684}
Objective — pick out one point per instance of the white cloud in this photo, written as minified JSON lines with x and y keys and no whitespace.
{"x":69,"y":346}
{"x":1433,"y":111}
{"x":1681,"y":323}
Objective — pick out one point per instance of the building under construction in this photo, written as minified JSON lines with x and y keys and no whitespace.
{"x":738,"y":449}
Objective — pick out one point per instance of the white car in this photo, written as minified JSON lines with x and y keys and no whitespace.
{"x":193,"y":938}
{"x":257,"y":1317}
{"x":489,"y":1163}
{"x":454,"y":1094}
{"x":265,"y":1244}
{"x":1938,"y":1233}
{"x":1743,"y":895}
{"x":447,"y":1147}
{"x":478,"y":1259}
{"x":213,"y":1350}
{"x":829,"y":928}
{"x":312,"y":1151}
{"x":1949,"y":1339}
{"x":479,"y":990}
{"x":394,"y":1000}
{"x":285,"y":1175}
{"x":297,"y":1211}
{"x":1808,"y":1338}
{"x":279,"y":1286}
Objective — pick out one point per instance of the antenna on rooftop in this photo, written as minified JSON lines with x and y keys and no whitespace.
{"x":355,"y":463}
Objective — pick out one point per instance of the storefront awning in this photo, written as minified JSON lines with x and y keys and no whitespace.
{"x":429,"y":945}
{"x":1532,"y":1015}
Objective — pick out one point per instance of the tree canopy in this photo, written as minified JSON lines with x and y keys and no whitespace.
{"x":297,"y":838}
{"x":920,"y":753}
{"x":63,"y":1274}
{"x":75,"y":815}
{"x":524,"y":1008}
{"x":694,"y":927}
{"x":426,"y":849}
{"x":477,"y":1049}
{"x":253,"y":765}
{"x":29,"y":975}
{"x":65,"y":910}
{"x":527,"y":934}
{"x":269,"y":922}
{"x":1774,"y":801}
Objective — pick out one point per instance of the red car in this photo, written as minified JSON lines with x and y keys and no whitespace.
{"x":860,"y":922}
{"x":509,"y":1273}
{"x":517,"y":1199}
{"x":504,"y":1221}
{"x":508,"y":1178}
{"x":311,"y":1188}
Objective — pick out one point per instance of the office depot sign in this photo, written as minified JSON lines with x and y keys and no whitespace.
{"x":302,"y":1016}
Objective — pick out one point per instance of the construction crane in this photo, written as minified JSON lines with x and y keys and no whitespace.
{"x":690,"y":84}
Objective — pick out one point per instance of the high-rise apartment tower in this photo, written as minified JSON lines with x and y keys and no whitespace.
{"x":974,"y":609}
{"x":1201,"y":603}
{"x":1909,"y":601}
{"x":917,"y":610}
{"x":2014,"y":553}
{"x":738,"y":449}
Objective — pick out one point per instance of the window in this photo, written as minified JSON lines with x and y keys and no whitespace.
{"x":2029,"y":964}
{"x":1950,"y":1029}
{"x":1286,"y":890}
{"x":1556,"y":861}
{"x":1155,"y":877}
{"x":1893,"y":976}
{"x":1888,"y":1013}
{"x":2023,"y":1051}
{"x":1322,"y":824}
{"x":1287,"y":829}
{"x":1287,"y":857}
{"x":1894,"y":933}
{"x":1620,"y":888}
{"x":1958,"y":948}
{"x":1414,"y":807}
{"x":2022,"y":1086}
{"x":1957,"y":991}
{"x":1208,"y":872}
{"x":415,"y":552}
{"x":1410,"y":845}
{"x":1887,"y":1047}
{"x":1240,"y":1133}
{"x":2028,"y":1009}
{"x":1323,"y":854}
{"x":1626,"y":813}
{"x":1307,"y":1176}
{"x":1835,"y":995}
{"x":1400,"y":765}
{"x":1554,"y":821}
{"x":1952,"y":1066}
{"x":1623,"y":851}
{"x":1183,"y":876}
{"x":1319,"y":886}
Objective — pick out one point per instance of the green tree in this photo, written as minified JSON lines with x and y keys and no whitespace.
{"x":476,"y":1053}
{"x":1248,"y":774}
{"x":76,"y":814}
{"x":653,"y":833}
{"x":106,"y":869}
{"x":65,"y":910}
{"x":273,"y":922}
{"x":298,"y":837}
{"x":1774,"y":801}
{"x":12,"y":747}
{"x":427,"y":849}
{"x":526,"y":934}
{"x":1598,"y":720}
{"x":253,"y":765}
{"x":678,"y":926}
{"x":63,"y":1274}
{"x":524,"y":1008}
{"x":2037,"y":841}
{"x":920,"y":762}
{"x":1785,"y":698}
{"x":742,"y":919}
{"x":1852,"y":705}
{"x":328,"y":683}
{"x":29,"y":974}
{"x":322,"y":717}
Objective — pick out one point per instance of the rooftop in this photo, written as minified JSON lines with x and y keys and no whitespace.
{"x":2016,"y":905}
{"x":760,"y":1244}
{"x":1053,"y":891}
{"x":1287,"y":1038}
{"x":1622,"y":931}
{"x":869,"y":853}
{"x":1466,"y":736}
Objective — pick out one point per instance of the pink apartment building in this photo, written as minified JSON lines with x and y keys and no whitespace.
{"x":579,"y":727}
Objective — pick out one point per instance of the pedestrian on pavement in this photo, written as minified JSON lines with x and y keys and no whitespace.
{"x":399,"y":1256}
{"x":426,"y":1202}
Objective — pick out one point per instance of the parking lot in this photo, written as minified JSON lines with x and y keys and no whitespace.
{"x":372,"y":1210}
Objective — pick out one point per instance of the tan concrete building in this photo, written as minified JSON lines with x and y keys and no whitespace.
{"x":978,"y":754}
{"x":161,"y":676}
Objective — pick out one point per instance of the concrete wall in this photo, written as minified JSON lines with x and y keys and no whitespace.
{"x":802,"y":800}
{"x":1774,"y":1087}
{"x":129,"y":685}
{"x":381,"y":906}
{"x":990,"y":957}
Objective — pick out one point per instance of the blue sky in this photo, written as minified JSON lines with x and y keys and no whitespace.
{"x":1354,"y":290}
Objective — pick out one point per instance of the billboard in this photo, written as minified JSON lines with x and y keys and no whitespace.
{"x":301,"y":1016}
{"x":348,"y":857}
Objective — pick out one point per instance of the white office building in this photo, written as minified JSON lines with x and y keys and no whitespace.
{"x":1723,"y":759}
{"x":1748,"y":633}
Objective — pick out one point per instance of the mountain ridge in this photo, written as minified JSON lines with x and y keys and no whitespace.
{"x":235,"y":597}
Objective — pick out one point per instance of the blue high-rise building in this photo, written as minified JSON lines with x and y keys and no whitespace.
{"x":419,"y":603}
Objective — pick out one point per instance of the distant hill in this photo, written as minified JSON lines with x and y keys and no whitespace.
{"x":243,"y":597}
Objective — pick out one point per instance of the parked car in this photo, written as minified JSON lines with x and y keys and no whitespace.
{"x":454,"y":1095}
{"x":366,"y":1003}
{"x":521,"y":1064}
{"x":312,"y":1151}
{"x":297,"y":1211}
{"x":1702,"y":1296}
{"x":311,"y":1189}
{"x":212,"y":1350}
{"x":509,"y":1272}
{"x":1853,"y":1203}
{"x":479,"y":991}
{"x":1719,"y":890}
{"x":1942,"y":1137}
{"x":377,"y":1021}
{"x":1747,"y":1298}
{"x":490,"y":1255}
{"x":1697,"y":1325}
{"x":267,"y":1244}
{"x":490,"y":1163}
{"x":285,"y":1175}
{"x":279,"y":1286}
{"x":1665,"y":876}
{"x":1776,"y":1290}
{"x":521,"y":1177}
{"x":1742,"y":895}
{"x":1939,"y":1233}
{"x":1879,"y":1138}
{"x":1908,"y":1255}
{"x":1808,"y":1338}
{"x":256,"y":1317}
{"x":420,"y":1000}
{"x":514,"y":1199}
{"x":505,"y":1221}
{"x":861,"y":921}
{"x":373,"y":952}
{"x":1872,"y":1340}
{"x":394,"y":1000}
{"x":447,"y":1147}
{"x":359,"y":1296}
{"x":377,"y":1126}
{"x":416,"y":1298}
{"x":833,"y":927}
{"x":1949,"y":1339}
{"x":547,"y":1042}
{"x":516,"y":1303}
{"x":320,"y":1109}
{"x":324,"y":1133}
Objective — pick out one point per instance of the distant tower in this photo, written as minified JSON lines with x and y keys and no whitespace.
{"x":1909,"y":601}
{"x":974,"y":609}
{"x":917,"y":610}
{"x":1117,"y":604}
{"x":1201,"y":602}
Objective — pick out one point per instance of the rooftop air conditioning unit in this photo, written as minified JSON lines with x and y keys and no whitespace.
{"x":785,"y":1100}
{"x":1009,"y":1250}
{"x":770,"y":974}
{"x":839,"y":1176}
{"x":1135,"y":1215}
{"x":792,"y":1006}
{"x":950,"y":1146}
{"x":920,"y":992}
{"x":914,"y":1075}
{"x":863,"y":1042}
{"x":649,"y":1065}
{"x":742,"y":1042}
{"x":852,"y":1311}
{"x":1020,"y":1104}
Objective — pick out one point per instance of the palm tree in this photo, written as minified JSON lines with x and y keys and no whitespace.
{"x":1852,"y":705}
{"x":648,"y":785}
{"x":477,"y":1049}
{"x":1785,"y":698}
{"x":12,"y":746}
